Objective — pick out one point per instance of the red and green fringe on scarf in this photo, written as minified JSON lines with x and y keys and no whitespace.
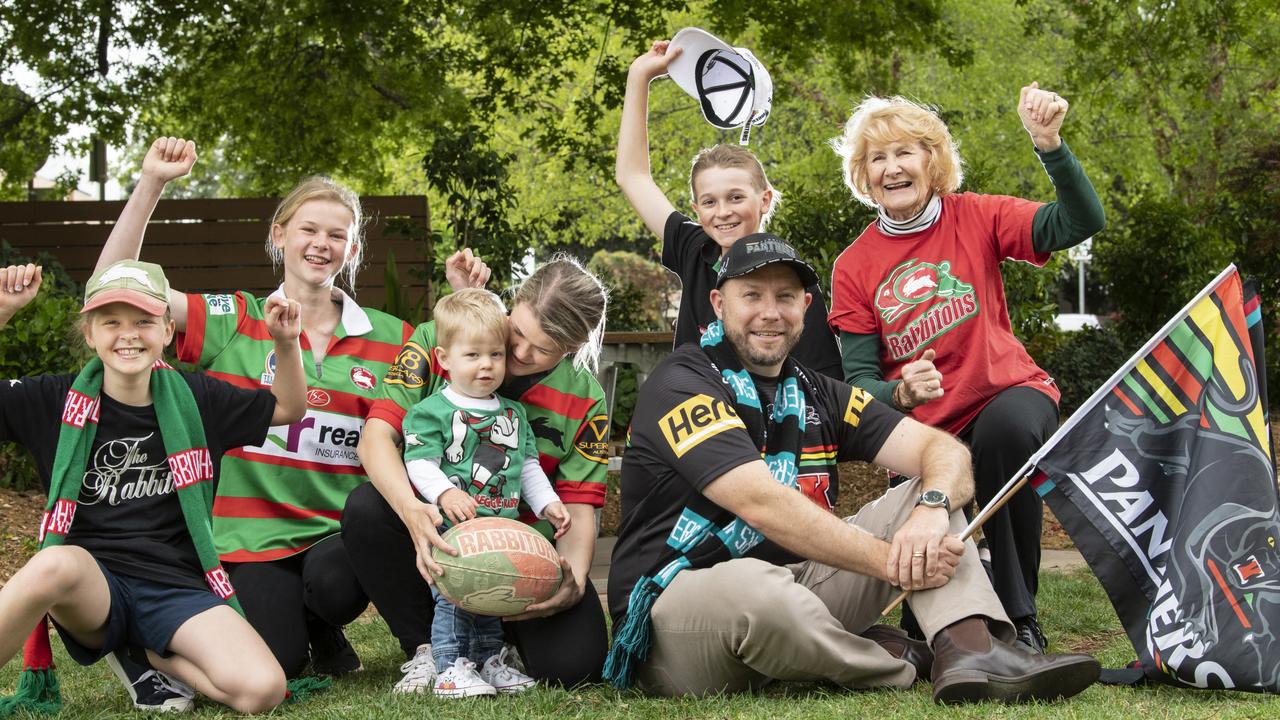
{"x":191,"y":467}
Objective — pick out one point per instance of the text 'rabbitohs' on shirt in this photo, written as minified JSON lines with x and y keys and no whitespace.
{"x":565,"y":407}
{"x":285,"y":494}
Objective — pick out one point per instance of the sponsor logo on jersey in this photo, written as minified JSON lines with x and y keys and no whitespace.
{"x":592,"y":442}
{"x":321,"y":437}
{"x":410,"y":367}
{"x":939,"y":300}
{"x":220,"y":304}
{"x":362,"y":378}
{"x":269,"y":376}
{"x":700,"y":417}
{"x":858,"y":400}
{"x":317,"y":397}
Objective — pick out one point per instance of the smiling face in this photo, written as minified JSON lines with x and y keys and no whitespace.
{"x":316,"y":242}
{"x":530,"y":350}
{"x":128,"y":340}
{"x":763,"y":315}
{"x":898,"y":175}
{"x":476,"y":363}
{"x":728,"y":204}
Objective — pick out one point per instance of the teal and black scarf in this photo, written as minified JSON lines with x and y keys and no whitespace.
{"x":700,"y":542}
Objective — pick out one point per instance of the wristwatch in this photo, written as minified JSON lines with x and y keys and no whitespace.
{"x":935,"y":498}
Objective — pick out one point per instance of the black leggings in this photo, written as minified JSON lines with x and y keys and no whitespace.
{"x":280,"y":598}
{"x":567,"y":648}
{"x":1004,"y":434}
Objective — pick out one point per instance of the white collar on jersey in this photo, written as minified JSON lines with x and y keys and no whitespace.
{"x":354,"y":319}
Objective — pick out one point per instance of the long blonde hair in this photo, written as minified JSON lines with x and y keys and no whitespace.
{"x":320,"y":187}
{"x":570,"y":305}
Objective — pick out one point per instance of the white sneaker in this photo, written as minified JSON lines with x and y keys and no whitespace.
{"x":419,"y":672}
{"x":460,"y":680}
{"x":151,"y":689}
{"x":504,"y":678}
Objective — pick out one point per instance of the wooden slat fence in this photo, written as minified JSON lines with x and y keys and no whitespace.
{"x":218,"y":245}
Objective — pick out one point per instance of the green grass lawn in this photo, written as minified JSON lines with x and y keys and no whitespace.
{"x":1075,"y":615}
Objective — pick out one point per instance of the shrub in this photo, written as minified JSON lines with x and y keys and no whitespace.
{"x":1083,"y":361}
{"x":640,"y":290}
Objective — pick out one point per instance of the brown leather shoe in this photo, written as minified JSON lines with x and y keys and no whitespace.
{"x":900,"y":645}
{"x":970,"y":665}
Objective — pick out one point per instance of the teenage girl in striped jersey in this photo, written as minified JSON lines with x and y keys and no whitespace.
{"x":277,"y":514}
{"x":556,"y":326}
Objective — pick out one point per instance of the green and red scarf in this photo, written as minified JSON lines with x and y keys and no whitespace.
{"x":191,"y":467}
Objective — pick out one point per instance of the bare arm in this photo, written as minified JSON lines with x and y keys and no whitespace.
{"x":379,"y":452}
{"x":19,"y":285}
{"x":941,"y":461}
{"x":632,"y":169}
{"x":167,"y":159}
{"x":577,"y":548}
{"x":284,"y":322}
{"x":793,"y":521}
{"x":921,"y":547}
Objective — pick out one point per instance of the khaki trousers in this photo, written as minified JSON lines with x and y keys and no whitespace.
{"x":743,"y":623}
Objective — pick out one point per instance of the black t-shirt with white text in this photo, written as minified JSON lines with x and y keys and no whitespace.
{"x":688,"y":251}
{"x":682,"y":437}
{"x":128,"y":516}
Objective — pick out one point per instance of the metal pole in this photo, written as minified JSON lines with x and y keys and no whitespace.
{"x":1080,"y":284}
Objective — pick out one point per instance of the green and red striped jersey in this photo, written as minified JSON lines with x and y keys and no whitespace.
{"x":285,"y":495}
{"x":566,"y":410}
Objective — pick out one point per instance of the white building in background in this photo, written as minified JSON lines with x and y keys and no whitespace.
{"x":39,"y":182}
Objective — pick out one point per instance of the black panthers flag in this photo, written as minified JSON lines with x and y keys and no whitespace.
{"x":1166,"y":482}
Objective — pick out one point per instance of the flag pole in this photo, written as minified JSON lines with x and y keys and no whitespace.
{"x":1006,"y":493}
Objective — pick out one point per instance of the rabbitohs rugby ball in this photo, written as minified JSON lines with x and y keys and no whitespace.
{"x":502,"y":567}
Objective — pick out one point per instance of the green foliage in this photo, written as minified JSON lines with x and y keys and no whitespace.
{"x":1083,"y":361}
{"x":640,"y":291}
{"x":472,"y":177}
{"x":1156,"y":255}
{"x":40,"y":340}
{"x":28,"y":140}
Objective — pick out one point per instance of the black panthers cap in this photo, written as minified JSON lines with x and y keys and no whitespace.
{"x":755,"y":251}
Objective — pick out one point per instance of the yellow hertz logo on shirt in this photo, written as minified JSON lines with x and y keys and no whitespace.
{"x":695,"y":420}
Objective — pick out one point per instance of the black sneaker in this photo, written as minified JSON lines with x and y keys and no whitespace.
{"x":331,"y":654}
{"x":1030,"y":634}
{"x":149,"y":688}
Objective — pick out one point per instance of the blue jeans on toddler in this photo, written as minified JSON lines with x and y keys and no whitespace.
{"x":457,"y":633}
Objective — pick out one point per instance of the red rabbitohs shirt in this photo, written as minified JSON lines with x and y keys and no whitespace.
{"x":941,"y":288}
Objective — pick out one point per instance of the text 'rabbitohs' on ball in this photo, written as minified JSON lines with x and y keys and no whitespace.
{"x":502,"y":567}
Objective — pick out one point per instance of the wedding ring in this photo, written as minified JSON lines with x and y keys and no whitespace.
{"x":917,"y":554}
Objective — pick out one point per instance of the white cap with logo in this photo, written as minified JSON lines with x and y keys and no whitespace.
{"x":730,"y":84}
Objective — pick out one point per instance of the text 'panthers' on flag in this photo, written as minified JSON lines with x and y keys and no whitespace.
{"x":1166,"y":482}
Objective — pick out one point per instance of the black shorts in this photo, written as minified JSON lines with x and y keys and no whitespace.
{"x":143,"y":614}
